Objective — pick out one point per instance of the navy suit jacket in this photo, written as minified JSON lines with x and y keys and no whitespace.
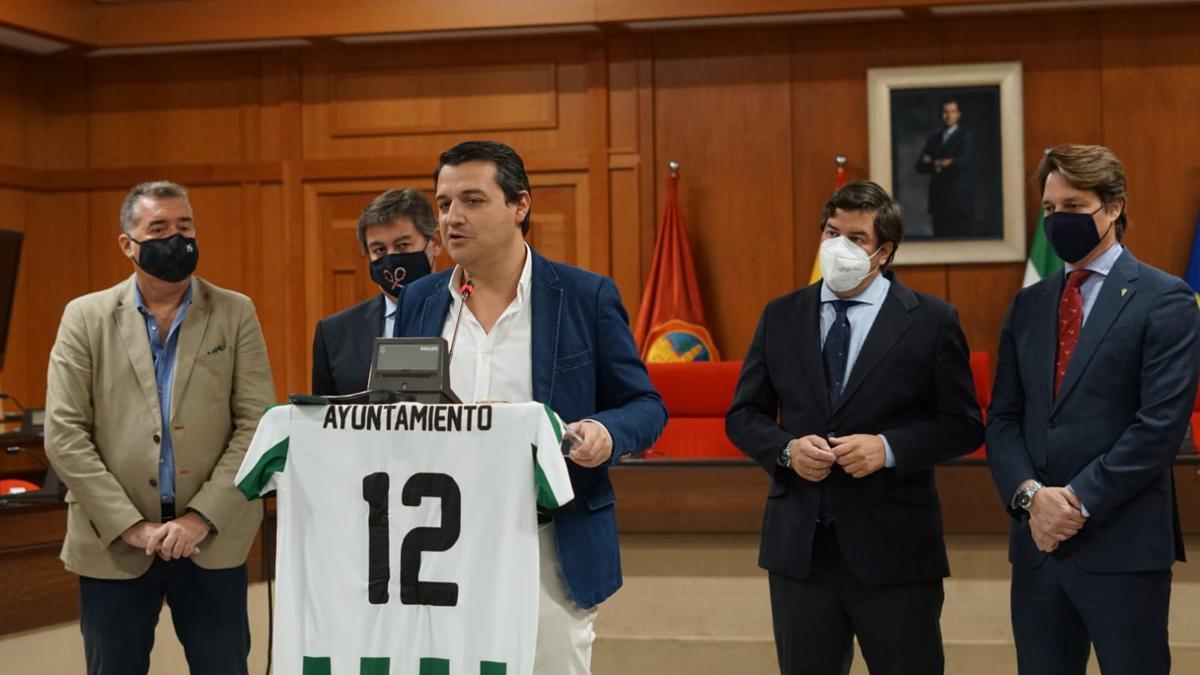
{"x":1117,"y":423}
{"x":342,"y":348}
{"x":585,"y":365}
{"x":911,"y":383}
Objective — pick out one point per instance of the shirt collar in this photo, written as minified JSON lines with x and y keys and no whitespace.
{"x":1104,"y":262}
{"x":141,"y":302}
{"x":871,"y":295}
{"x":389,"y":306}
{"x":523,"y":283}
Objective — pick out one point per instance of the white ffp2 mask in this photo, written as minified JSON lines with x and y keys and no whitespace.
{"x":844,"y":264}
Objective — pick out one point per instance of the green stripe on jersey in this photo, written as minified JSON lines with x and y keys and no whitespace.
{"x":545,"y":494}
{"x":374,"y":665}
{"x":492,"y":668}
{"x":554,"y":422}
{"x":317,"y":665}
{"x":435,"y":666}
{"x":270,"y":463}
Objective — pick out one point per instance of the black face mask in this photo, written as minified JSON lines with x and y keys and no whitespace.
{"x":1073,"y":235}
{"x":171,"y":258}
{"x":394,"y":270}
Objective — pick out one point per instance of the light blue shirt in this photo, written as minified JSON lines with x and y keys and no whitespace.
{"x":1100,"y":268}
{"x":164,"y":377}
{"x":389,"y":316}
{"x":1090,"y":290}
{"x":861,"y":317}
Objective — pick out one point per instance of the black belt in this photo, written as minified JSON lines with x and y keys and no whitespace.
{"x":168,"y":512}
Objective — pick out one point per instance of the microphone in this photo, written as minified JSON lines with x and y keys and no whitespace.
{"x":464,"y":292}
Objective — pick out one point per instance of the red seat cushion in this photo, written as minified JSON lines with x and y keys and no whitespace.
{"x":697,"y":396}
{"x":981,"y":372}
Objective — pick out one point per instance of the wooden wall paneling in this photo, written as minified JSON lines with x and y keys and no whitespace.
{"x":722,"y":109}
{"x":12,"y":111}
{"x":981,"y":294}
{"x":562,"y":227}
{"x":395,"y":84}
{"x":647,"y":160}
{"x":277,"y":273}
{"x":1151,"y":102}
{"x":118,"y":23}
{"x":55,"y":268}
{"x":1061,"y":72}
{"x":598,"y":258}
{"x":57,"y":114}
{"x":108,"y":263}
{"x":624,"y":165}
{"x":188,"y":109}
{"x":829,"y":118}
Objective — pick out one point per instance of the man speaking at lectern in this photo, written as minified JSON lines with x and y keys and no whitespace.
{"x":536,"y":330}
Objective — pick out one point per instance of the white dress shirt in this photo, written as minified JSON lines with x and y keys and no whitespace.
{"x":496,"y":365}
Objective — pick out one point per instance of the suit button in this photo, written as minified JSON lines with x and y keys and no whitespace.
{"x":153,"y":482}
{"x":156,"y":438}
{"x":1052,"y":423}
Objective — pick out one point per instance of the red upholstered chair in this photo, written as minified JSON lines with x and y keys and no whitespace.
{"x":12,"y":486}
{"x":1196,"y":423}
{"x":981,"y":372}
{"x":697,"y":395}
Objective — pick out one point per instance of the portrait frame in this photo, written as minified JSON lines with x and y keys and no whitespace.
{"x":1005,"y":241}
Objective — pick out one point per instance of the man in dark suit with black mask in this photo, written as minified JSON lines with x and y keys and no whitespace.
{"x":398,"y":235}
{"x":851,"y":391}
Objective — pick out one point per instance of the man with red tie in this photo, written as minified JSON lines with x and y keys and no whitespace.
{"x":1095,"y":382}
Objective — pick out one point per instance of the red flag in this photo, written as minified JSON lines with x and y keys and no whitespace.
{"x":837,"y":185}
{"x":670,"y":325}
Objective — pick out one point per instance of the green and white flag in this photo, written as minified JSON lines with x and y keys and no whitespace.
{"x":407,"y":534}
{"x":1042,"y":260}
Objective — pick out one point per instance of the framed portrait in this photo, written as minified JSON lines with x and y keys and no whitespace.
{"x":947,"y":143}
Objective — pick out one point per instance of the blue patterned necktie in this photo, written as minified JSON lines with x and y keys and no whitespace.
{"x":836,"y":351}
{"x":835,"y":354}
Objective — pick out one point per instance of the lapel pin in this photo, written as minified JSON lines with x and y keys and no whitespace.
{"x":1124,"y":291}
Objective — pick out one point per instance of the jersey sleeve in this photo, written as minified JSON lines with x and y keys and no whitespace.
{"x":549,"y":467}
{"x":267,"y":455}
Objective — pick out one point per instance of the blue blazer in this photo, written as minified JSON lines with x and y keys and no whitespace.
{"x":585,"y":365}
{"x":1117,"y":423}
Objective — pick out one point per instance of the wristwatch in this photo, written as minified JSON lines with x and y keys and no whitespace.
{"x":785,"y":457}
{"x":1025,"y":497}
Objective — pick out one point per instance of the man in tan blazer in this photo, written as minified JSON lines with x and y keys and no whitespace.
{"x":154,"y":391}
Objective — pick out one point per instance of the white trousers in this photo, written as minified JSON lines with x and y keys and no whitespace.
{"x":564,"y":635}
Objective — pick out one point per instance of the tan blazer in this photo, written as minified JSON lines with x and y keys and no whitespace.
{"x":103,"y":424}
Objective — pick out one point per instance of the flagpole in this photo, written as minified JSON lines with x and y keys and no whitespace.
{"x":673,"y":167}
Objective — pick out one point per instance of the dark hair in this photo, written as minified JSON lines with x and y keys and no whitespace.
{"x":159,"y":189}
{"x":947,"y":101}
{"x":394,"y":204}
{"x":863,"y":195}
{"x":510,"y":170}
{"x":1093,"y":168}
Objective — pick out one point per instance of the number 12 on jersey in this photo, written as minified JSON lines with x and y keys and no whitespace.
{"x":413,"y":591}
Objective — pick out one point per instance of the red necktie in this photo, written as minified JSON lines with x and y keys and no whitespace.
{"x":1070,"y":322}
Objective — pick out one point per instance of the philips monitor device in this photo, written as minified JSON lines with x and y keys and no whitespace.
{"x":411,"y":369}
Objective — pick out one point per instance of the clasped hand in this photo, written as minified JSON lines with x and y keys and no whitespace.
{"x":179,"y":538}
{"x":1055,"y":515}
{"x":813,"y":457}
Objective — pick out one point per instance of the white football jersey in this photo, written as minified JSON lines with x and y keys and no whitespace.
{"x":407,"y":534}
